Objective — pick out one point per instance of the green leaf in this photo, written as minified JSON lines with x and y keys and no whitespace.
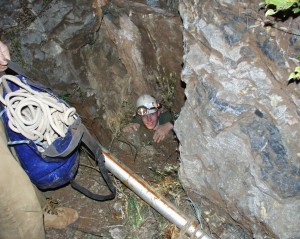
{"x":292,"y":76}
{"x":262,"y":4}
{"x":281,"y":4}
{"x":296,"y":10}
{"x":297,"y":69}
{"x":270,"y":12}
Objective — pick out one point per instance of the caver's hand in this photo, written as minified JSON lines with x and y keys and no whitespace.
{"x":161,"y":131}
{"x":131,"y":127}
{"x":4,"y":56}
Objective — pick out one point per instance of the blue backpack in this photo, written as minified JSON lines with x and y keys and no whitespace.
{"x":56,"y":164}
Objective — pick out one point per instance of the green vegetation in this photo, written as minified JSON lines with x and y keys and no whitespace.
{"x":119,"y":119}
{"x":274,"y":6}
{"x":137,"y":211}
{"x":287,"y":8}
{"x":65,"y":97}
{"x":166,"y":85}
{"x":295,"y":74}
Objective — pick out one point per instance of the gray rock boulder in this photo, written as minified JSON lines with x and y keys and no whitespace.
{"x":239,"y":128}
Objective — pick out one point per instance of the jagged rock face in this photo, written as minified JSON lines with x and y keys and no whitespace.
{"x":111,"y":51}
{"x":239,"y":127}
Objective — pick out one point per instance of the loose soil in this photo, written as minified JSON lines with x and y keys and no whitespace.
{"x":126,"y":216}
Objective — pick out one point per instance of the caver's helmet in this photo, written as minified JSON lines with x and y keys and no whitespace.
{"x":146,"y":104}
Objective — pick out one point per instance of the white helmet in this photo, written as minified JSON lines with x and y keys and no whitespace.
{"x":146,"y":104}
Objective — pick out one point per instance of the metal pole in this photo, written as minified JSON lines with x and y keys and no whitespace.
{"x":144,"y":191}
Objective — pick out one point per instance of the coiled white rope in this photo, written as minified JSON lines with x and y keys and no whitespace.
{"x":39,"y":116}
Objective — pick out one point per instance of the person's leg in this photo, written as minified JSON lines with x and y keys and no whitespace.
{"x":21,"y":216}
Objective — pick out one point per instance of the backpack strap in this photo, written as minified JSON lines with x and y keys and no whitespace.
{"x":16,"y":68}
{"x":93,"y":146}
{"x":79,"y":133}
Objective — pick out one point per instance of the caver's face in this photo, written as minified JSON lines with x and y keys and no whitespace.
{"x":150,"y":120}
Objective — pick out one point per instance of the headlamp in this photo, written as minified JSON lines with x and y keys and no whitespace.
{"x":144,"y":110}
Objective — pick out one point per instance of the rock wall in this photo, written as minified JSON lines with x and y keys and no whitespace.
{"x":107,"y":51}
{"x":239,"y":126}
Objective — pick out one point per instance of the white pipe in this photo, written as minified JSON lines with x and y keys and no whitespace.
{"x":144,"y":191}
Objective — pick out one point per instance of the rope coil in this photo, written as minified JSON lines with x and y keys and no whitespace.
{"x":37,"y":115}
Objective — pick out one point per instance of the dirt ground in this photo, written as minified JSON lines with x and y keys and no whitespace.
{"x":126,"y":216}
{"x":129,"y":217}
